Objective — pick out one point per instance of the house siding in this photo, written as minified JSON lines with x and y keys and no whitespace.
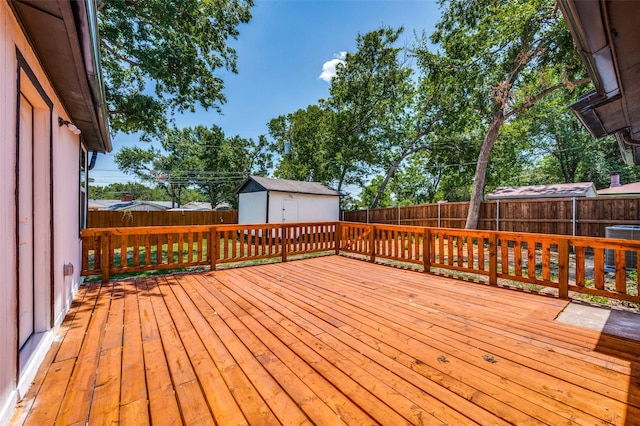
{"x":56,"y":212}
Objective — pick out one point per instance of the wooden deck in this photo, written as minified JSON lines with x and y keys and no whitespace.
{"x":326,"y":341}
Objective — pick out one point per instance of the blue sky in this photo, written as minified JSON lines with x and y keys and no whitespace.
{"x":281,"y":53}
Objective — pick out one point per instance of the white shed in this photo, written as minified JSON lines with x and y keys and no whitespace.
{"x":266,"y":200}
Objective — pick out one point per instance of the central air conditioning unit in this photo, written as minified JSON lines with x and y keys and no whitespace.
{"x":621,"y":232}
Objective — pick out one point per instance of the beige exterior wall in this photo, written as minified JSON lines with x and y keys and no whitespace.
{"x":54,"y":291}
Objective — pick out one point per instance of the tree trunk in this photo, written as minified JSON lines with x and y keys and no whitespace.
{"x":481,"y":170}
{"x":342,"y":177}
{"x":392,"y":171}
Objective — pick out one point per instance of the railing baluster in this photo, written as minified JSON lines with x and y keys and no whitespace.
{"x":426,"y":250}
{"x":517,"y":257}
{"x":531,"y":259}
{"x":504,"y":257}
{"x":106,"y":247}
{"x":493,"y":258}
{"x":621,"y":273}
{"x":580,"y":266}
{"x":563,"y":268}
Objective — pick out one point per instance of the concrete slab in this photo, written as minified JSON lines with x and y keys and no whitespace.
{"x":612,"y":321}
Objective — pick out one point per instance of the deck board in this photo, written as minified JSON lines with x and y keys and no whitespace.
{"x":329,"y":340}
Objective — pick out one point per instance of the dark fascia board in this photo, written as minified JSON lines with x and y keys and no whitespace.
{"x":586,"y":21}
{"x":250,"y":185}
{"x":63,"y":33}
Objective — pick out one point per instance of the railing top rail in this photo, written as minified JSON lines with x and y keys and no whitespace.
{"x":132,"y":230}
{"x":599,"y":242}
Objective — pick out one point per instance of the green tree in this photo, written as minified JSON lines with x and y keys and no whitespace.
{"x":198,"y":157}
{"x":161,"y":57}
{"x":169,"y":171}
{"x":138,"y":190}
{"x":307,"y":132}
{"x":505,"y":56}
{"x":371,"y":191}
{"x":223,"y":162}
{"x":364,"y":97}
{"x":417,"y":182}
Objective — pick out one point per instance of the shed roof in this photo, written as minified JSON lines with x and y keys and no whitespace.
{"x":579,"y":189}
{"x":628,"y":189}
{"x":259,"y":183}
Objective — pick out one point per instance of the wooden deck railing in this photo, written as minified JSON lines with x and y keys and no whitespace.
{"x":561,"y":262}
{"x":108,"y":251}
{"x":537,"y":260}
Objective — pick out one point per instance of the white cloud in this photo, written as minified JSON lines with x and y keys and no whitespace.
{"x":329,"y":67}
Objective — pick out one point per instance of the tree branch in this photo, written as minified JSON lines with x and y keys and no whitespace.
{"x":117,"y":55}
{"x":531,"y":101}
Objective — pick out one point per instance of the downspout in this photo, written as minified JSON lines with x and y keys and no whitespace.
{"x":92,"y":162}
{"x":266,"y":220}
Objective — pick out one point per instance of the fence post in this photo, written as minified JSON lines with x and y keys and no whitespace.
{"x":372,"y":243}
{"x":426,"y":250}
{"x":213,"y":247}
{"x":498,"y":215}
{"x":563,"y":268}
{"x":337,"y":237}
{"x":284,"y":241}
{"x":105,"y":247}
{"x":493,"y":258}
{"x":574,"y":224}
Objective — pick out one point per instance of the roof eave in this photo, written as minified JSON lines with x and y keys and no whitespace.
{"x":602,"y":112}
{"x":63,"y":34}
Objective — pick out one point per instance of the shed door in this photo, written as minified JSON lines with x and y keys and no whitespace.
{"x":289,"y":210}
{"x":25,"y":224}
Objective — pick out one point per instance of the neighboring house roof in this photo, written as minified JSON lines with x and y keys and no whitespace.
{"x":629,"y":189}
{"x":580,"y":189}
{"x":606,"y":34}
{"x":259,"y":183}
{"x":64,"y":34}
{"x":136,"y":204}
{"x":197,"y":205}
{"x":124,"y":205}
{"x":103,"y":204}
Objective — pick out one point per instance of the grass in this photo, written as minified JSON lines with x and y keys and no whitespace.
{"x":154,"y":272}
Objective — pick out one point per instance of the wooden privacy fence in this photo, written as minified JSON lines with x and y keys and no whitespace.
{"x":564,"y":263}
{"x":558,"y":216}
{"x":117,"y":219}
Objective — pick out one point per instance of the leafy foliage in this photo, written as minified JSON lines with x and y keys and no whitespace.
{"x":365,"y":97}
{"x":161,"y":57}
{"x":504,"y":56}
{"x":197,"y":157}
{"x":139,"y":192}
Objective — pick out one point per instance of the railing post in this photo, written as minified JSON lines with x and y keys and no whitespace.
{"x":372,"y":243}
{"x":284,"y":241}
{"x":214,"y":240}
{"x":337,"y":237}
{"x":426,"y":250}
{"x":563,"y":268}
{"x":105,"y":255}
{"x":493,"y":258}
